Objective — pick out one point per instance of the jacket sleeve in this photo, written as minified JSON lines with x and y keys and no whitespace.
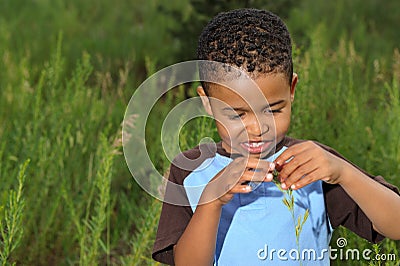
{"x":343,"y":210}
{"x":175,"y":217}
{"x":173,"y":221}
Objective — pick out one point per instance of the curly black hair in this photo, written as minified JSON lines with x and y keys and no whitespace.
{"x":257,"y":41}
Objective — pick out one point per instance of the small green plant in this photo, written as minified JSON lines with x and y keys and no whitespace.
{"x":376,"y":250}
{"x":144,"y":238}
{"x":11,"y":229}
{"x":289,"y":201}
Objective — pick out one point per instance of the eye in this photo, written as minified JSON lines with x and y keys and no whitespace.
{"x":276,"y":111}
{"x":272,"y":111}
{"x":235,"y":117}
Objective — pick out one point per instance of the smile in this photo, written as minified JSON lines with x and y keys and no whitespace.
{"x":256,"y":146}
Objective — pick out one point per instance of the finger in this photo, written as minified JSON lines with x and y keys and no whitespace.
{"x":238,"y":173}
{"x":225,"y":190}
{"x":237,"y":176}
{"x":256,"y":164}
{"x":269,"y":177}
{"x":292,"y":166}
{"x":240,"y":189}
{"x":299,"y":173}
{"x":306,"y":180}
{"x":289,"y":154}
{"x":255,"y":177}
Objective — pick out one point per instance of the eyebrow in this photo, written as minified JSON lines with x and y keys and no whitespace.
{"x":243,"y":109}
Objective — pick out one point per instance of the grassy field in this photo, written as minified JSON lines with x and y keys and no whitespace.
{"x":68,"y":70}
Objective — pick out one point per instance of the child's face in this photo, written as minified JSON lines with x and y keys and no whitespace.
{"x":251,"y":122}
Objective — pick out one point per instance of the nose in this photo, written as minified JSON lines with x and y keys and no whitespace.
{"x":257,"y":127}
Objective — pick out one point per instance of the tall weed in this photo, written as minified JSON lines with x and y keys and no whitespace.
{"x":58,"y":121}
{"x":11,"y":229}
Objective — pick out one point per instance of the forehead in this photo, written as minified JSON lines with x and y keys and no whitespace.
{"x":251,"y":92}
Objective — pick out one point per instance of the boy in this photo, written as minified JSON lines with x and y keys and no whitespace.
{"x":234,"y":222}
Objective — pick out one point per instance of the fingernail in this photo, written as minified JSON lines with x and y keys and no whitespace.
{"x":293,"y":186}
{"x":283,"y":185}
{"x":247,"y":188}
{"x":270,"y":177}
{"x":271,"y":166}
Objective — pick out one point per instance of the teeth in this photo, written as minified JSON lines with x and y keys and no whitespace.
{"x":254,"y":144}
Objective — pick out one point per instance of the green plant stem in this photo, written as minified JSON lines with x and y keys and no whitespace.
{"x":289,"y":201}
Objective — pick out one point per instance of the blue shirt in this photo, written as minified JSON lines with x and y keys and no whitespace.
{"x":258,"y":229}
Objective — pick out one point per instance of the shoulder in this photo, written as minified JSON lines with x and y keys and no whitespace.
{"x":189,"y":160}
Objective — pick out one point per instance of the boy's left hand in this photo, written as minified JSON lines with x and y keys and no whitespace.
{"x":306,"y":162}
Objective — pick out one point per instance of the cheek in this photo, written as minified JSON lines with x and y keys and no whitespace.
{"x":229,"y":130}
{"x":282,"y":124}
{"x":222,"y":131}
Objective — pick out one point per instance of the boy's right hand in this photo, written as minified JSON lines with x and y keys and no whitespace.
{"x":234,"y":178}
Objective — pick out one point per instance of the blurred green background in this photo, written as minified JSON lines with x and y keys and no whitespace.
{"x":69,"y":68}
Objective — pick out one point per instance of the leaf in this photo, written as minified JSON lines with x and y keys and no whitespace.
{"x":306,"y":214}
{"x":286,"y":202}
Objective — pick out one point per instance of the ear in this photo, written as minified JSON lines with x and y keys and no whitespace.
{"x":295,"y":79}
{"x":205,"y":100}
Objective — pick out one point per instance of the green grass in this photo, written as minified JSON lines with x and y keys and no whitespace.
{"x":67,"y":130}
{"x":67,"y":71}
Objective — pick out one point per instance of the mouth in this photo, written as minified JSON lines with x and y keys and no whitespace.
{"x":256,"y":146}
